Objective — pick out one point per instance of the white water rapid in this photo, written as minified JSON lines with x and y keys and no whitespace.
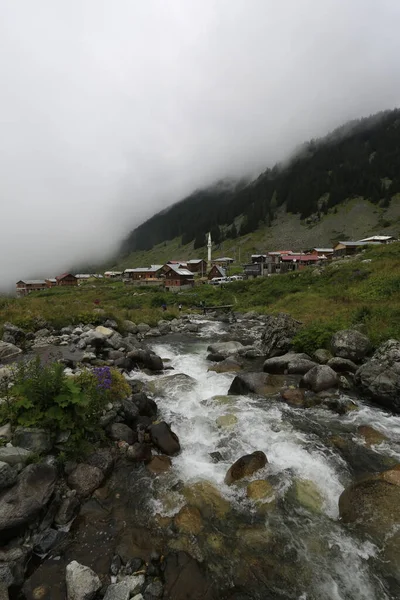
{"x":341,"y":564}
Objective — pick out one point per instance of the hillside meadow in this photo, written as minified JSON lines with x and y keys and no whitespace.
{"x":362,"y":291}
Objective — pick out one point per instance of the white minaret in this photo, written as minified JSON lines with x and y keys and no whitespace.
{"x":209,"y":246}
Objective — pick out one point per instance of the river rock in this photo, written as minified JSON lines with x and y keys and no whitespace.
{"x":260,"y":489}
{"x":130,"y":411}
{"x":374,"y":504}
{"x":153,"y":590}
{"x":8,"y":350}
{"x":262,"y":384}
{"x":306,"y":493}
{"x":207,"y":498}
{"x":67,"y":510}
{"x":320,"y":378}
{"x":321,"y":356}
{"x":85,"y":479}
{"x":179,"y":382}
{"x":14,"y":456}
{"x":117,"y":591}
{"x":146,"y":359}
{"x":185,"y":578}
{"x":15,"y":332}
{"x":297,"y":397}
{"x":225,"y":421}
{"x":225,"y":349}
{"x":33,"y":438}
{"x":296,"y":362}
{"x":342,"y":365}
{"x":361,"y":460}
{"x":159,"y":464}
{"x":120,"y":431}
{"x":350,"y":344}
{"x":139,"y":452}
{"x":379,"y":378}
{"x":82,"y":582}
{"x":130,"y":327}
{"x":165,"y":439}
{"x":371,"y":436}
{"x":21,"y":504}
{"x":279,"y":332}
{"x":188,"y":520}
{"x":5,"y":432}
{"x":146,"y":406}
{"x":228,"y":365}
{"x":8,"y":475}
{"x":246,"y":466}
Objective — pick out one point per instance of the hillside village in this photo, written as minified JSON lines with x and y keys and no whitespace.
{"x":177,"y":275}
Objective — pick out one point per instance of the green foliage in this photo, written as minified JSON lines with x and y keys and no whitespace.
{"x":42,"y":395}
{"x":314,"y":336}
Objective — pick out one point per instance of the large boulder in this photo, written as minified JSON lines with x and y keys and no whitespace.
{"x":379,"y":378}
{"x":165,"y":439}
{"x":22,"y":503}
{"x":279,"y":332}
{"x":85,"y":479}
{"x":262,"y":384}
{"x":185,"y":578}
{"x":207,"y":498}
{"x":228,"y":365}
{"x":33,"y":438}
{"x":225,"y":349}
{"x":121,"y":432}
{"x":146,"y":359}
{"x":13,"y":334}
{"x":146,"y":406}
{"x":246,"y":466}
{"x":320,"y":378}
{"x":8,"y":351}
{"x":14,"y":456}
{"x":82,"y":582}
{"x":350,"y":344}
{"x":8,"y":475}
{"x":291,"y":362}
{"x":342,"y":365}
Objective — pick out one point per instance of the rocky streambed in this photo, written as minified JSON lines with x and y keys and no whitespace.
{"x":278,"y":480}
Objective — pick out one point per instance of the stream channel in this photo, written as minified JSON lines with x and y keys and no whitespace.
{"x":290,"y":546}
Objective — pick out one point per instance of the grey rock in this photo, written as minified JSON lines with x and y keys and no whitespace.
{"x":146,"y":406}
{"x":278,"y":334}
{"x":143,"y":328}
{"x":130,"y":411}
{"x":13,"y":563}
{"x":154,"y":590}
{"x":8,"y":350}
{"x":15,"y":332}
{"x":139,"y":452}
{"x":111,"y":324}
{"x":130,"y":327}
{"x":88,"y":357}
{"x":120,"y":431}
{"x":138,"y":597}
{"x":115,"y":341}
{"x":165,"y":439}
{"x":21,"y":504}
{"x":280,"y":364}
{"x":102,"y":459}
{"x":46,"y":541}
{"x":82,"y":582}
{"x":33,"y":438}
{"x":85,"y":479}
{"x":322,"y":356}
{"x":146,"y":359}
{"x":5,"y":432}
{"x":320,"y":378}
{"x":117,"y":591}
{"x":81,"y":344}
{"x":342,"y":365}
{"x":379,"y":378}
{"x":14,"y":456}
{"x":67,"y":510}
{"x":42,"y":333}
{"x":262,"y":384}
{"x":225,"y":349}
{"x":300,"y":366}
{"x":350,"y":344}
{"x":8,"y":475}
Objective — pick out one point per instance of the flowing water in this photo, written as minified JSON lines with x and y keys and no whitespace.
{"x":284,"y":547}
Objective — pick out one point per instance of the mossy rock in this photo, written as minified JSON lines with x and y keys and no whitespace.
{"x":188,"y":520}
{"x":306,"y":493}
{"x":207,"y":498}
{"x":371,"y":436}
{"x":226,"y":421}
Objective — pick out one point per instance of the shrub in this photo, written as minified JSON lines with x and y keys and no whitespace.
{"x":316,"y":335}
{"x":42,"y":395}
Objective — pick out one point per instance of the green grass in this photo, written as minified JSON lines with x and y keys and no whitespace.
{"x":346,"y":293}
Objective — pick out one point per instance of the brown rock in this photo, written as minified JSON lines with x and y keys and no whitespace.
{"x":207,"y":498}
{"x":186,"y":579}
{"x":139,"y":453}
{"x":246,"y":466}
{"x":259,"y":489}
{"x":188,"y":520}
{"x":294,"y":397}
{"x":371,"y":435}
{"x":85,"y":479}
{"x":159,"y":464}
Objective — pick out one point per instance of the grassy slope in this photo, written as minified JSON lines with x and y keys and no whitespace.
{"x":354,"y":220}
{"x":348,"y":292}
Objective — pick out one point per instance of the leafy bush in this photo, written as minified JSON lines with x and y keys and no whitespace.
{"x":42,"y":395}
{"x":314,"y":336}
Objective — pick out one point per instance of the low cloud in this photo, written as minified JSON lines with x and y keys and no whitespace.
{"x":110,"y":111}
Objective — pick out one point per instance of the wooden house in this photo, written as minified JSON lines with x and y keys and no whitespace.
{"x":67,"y":279}
{"x":26,"y":286}
{"x":178,"y":278}
{"x":223,"y":261}
{"x":113,"y":274}
{"x":294,"y":262}
{"x":51,"y":282}
{"x":144,"y":274}
{"x":197,"y":265}
{"x":216,"y":271}
{"x":350,"y":248}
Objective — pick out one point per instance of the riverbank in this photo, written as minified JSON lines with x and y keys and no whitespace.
{"x":171,"y":512}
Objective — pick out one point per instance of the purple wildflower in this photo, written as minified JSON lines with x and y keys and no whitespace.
{"x":104,"y":377}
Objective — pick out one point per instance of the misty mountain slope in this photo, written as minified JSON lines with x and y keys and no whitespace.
{"x":359,"y":160}
{"x":353,"y":219}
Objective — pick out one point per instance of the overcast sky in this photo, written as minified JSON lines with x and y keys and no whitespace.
{"x":113,"y":109}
